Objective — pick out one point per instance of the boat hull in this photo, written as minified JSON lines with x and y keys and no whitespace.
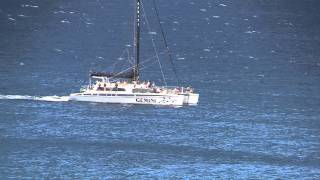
{"x":190,"y":98}
{"x":165,"y":99}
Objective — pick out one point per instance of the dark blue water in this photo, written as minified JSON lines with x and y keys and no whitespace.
{"x":256,"y":65}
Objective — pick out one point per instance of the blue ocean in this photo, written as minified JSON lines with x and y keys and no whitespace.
{"x":255,"y":64}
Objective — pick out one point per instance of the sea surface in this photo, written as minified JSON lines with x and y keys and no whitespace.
{"x":255,"y":63}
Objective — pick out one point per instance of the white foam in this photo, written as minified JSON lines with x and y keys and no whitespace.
{"x":36,"y":98}
{"x":53,"y":98}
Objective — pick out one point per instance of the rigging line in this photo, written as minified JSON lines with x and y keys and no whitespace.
{"x":165,"y":42}
{"x":129,"y":59}
{"x":146,"y":66}
{"x":119,"y":59}
{"x":144,"y":62}
{"x":153,"y":43}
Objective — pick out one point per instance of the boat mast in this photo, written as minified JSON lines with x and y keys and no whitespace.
{"x":137,"y":40}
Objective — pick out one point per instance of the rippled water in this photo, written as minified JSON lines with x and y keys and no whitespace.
{"x":255,"y":64}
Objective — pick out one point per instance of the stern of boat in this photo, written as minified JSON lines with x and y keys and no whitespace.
{"x":190,"y":99}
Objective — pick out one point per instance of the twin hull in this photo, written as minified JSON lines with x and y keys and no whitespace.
{"x":167,"y":99}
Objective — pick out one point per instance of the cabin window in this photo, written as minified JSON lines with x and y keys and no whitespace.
{"x":100,"y":89}
{"x":118,"y":89}
{"x":141,"y":90}
{"x":103,"y":89}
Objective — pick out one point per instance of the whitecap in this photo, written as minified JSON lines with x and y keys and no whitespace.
{"x":203,"y":10}
{"x":65,"y":21}
{"x":22,"y":15}
{"x":206,"y":50}
{"x":58,"y":50}
{"x":11,"y":19}
{"x":56,"y":12}
{"x":250,"y":32}
{"x":152,"y":33}
{"x":28,"y":5}
{"x":223,"y":5}
{"x":216,"y":16}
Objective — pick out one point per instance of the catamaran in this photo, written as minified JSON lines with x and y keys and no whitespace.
{"x":126,"y":87}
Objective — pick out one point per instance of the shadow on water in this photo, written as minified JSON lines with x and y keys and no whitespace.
{"x":210,"y":155}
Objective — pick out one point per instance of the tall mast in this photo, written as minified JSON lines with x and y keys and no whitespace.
{"x":137,"y":40}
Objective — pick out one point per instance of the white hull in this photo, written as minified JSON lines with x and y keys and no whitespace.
{"x":190,"y":98}
{"x":134,"y":98}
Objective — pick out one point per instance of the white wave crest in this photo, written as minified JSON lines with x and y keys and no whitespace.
{"x":36,"y":98}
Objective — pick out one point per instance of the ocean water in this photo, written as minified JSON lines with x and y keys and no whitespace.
{"x":256,"y":65}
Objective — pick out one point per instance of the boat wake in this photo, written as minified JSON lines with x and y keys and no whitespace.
{"x":36,"y":98}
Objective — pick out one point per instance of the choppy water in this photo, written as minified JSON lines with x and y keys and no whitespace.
{"x":256,"y":65}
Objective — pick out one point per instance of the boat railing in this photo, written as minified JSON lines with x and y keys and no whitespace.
{"x":177,"y":88}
